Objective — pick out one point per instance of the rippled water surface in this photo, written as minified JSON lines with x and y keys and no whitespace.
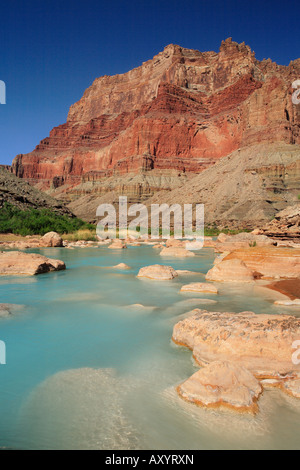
{"x":86,"y":370}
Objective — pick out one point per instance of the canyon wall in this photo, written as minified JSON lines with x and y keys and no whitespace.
{"x":174,"y":116}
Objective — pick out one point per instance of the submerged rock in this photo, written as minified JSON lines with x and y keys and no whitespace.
{"x":18,"y":263}
{"x":185,"y":272}
{"x":80,"y":409}
{"x":122,"y":266}
{"x":200,"y":287}
{"x":176,"y":252}
{"x":158,"y":272}
{"x":223,"y":384}
{"x":288,"y":303}
{"x":7,"y":310}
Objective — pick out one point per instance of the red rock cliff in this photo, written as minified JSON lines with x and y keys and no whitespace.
{"x":182,"y":110}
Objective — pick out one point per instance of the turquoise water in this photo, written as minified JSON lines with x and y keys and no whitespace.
{"x":87,"y":371}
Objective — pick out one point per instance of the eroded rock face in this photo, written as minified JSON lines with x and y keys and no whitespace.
{"x":18,"y":263}
{"x":157,"y":272}
{"x":263,"y":344}
{"x":181,"y":111}
{"x":222,"y":384}
{"x":285,"y":226}
{"x":243,"y":190}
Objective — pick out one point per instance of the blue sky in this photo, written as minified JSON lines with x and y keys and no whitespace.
{"x":52,"y":50}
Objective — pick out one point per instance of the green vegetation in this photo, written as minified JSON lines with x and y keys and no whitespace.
{"x":37,"y":222}
{"x":214,"y":231}
{"x":88,"y":235}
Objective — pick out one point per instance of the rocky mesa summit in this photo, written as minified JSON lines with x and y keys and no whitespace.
{"x":152,"y":129}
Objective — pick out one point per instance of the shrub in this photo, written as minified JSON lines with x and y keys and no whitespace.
{"x":37,"y":221}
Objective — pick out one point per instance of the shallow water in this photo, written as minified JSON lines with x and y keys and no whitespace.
{"x":86,"y":371}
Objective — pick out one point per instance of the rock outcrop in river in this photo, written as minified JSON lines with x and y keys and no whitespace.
{"x":235,"y":348}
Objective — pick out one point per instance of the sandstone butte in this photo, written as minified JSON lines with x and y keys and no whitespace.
{"x":17,"y":263}
{"x":237,"y":352}
{"x":175,"y":116}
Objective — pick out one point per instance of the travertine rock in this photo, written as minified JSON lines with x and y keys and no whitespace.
{"x":157,"y":272}
{"x":263,"y":344}
{"x":200,"y":287}
{"x":232,"y":270}
{"x":122,"y":266}
{"x":269,"y":262}
{"x":176,"y":252}
{"x":18,"y":263}
{"x":117,"y":245}
{"x":223,"y":384}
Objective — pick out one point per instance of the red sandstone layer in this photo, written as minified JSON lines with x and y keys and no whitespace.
{"x":183,"y":111}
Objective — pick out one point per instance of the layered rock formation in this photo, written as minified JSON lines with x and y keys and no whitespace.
{"x":244,"y":190}
{"x":286,"y":225}
{"x":175,"y":115}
